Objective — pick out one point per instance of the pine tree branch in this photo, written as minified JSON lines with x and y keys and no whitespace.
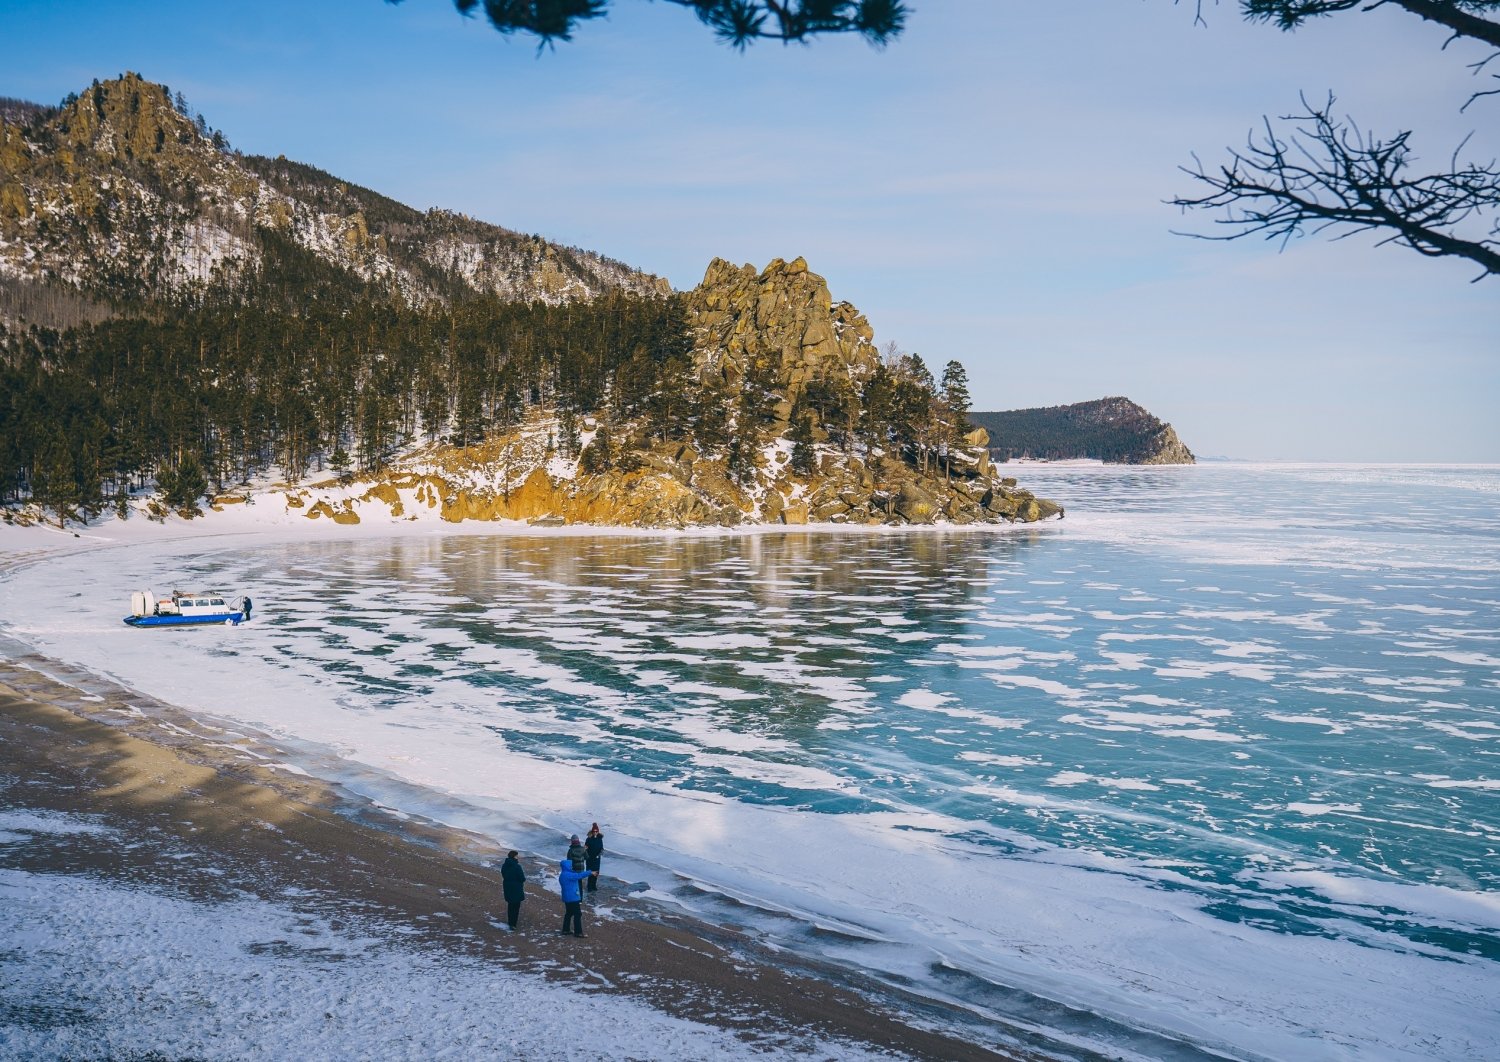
{"x":1458,"y":17}
{"x":1462,"y":17}
{"x":736,"y":22}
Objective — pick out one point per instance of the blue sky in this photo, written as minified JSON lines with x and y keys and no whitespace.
{"x":989,"y":188}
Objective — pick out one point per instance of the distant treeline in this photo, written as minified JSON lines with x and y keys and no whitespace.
{"x":1109,"y":429}
{"x":302,"y":366}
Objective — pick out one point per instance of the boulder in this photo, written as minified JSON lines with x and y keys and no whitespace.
{"x":1000,"y":503}
{"x":915,"y":505}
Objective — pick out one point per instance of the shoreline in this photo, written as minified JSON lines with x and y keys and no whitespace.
{"x":476,"y":789}
{"x":165,"y":772}
{"x":139,"y":530}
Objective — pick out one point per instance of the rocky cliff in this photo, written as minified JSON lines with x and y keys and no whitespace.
{"x":1114,"y":430}
{"x":120,"y":195}
{"x":778,"y":327}
{"x":470,"y":372}
{"x":772,"y":336}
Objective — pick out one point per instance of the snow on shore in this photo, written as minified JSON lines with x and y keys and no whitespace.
{"x":96,"y":970}
{"x":1126,"y":939}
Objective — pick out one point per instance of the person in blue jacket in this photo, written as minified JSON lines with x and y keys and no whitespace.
{"x":570,"y":878}
{"x":514,"y":877}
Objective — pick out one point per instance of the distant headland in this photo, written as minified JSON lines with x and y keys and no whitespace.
{"x":1114,"y":430}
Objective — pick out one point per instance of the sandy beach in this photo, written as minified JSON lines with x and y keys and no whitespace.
{"x":171,"y":783}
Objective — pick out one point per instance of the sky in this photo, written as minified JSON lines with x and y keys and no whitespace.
{"x":989,"y":188}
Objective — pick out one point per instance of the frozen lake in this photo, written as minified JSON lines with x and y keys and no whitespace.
{"x":1210,"y":767}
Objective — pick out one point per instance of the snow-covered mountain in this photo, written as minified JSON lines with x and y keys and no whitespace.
{"x":119,"y":195}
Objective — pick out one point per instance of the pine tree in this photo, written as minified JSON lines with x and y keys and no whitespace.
{"x":187,"y":486}
{"x":740,"y":460}
{"x":804,"y":455}
{"x":508,"y":408}
{"x":955,"y":402}
{"x":878,"y":406}
{"x":376,"y":431}
{"x":468,"y":418}
{"x":711,"y":407}
{"x":567,"y":432}
{"x":90,"y":484}
{"x":55,"y":479}
{"x":599,"y":454}
{"x":955,"y":392}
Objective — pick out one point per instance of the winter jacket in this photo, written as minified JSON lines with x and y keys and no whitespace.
{"x":576,"y":853}
{"x":569,"y":878}
{"x":515,"y":880}
{"x":594,"y":845}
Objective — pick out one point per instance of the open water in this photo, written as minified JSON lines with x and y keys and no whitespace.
{"x":1209,"y":768}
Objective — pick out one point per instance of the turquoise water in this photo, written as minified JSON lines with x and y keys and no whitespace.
{"x":1319,"y":683}
{"x":1242,"y":706}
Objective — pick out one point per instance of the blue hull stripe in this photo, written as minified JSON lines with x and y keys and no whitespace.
{"x":182,"y":621}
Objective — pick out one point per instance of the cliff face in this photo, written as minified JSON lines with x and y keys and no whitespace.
{"x":773,"y":334}
{"x":120,"y":196}
{"x":1165,"y":448}
{"x":780,"y":328}
{"x":1114,"y":430}
{"x":514,"y":478}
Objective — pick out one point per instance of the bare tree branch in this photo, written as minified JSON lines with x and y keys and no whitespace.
{"x":1331,"y":175}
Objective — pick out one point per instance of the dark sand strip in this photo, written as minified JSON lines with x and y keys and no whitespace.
{"x":159,"y":779}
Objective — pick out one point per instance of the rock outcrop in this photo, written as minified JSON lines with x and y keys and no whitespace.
{"x":778,"y":327}
{"x":674,"y":491}
{"x":1165,"y":448}
{"x":1114,"y":430}
{"x":771,"y":334}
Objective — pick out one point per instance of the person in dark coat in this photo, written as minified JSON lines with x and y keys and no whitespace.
{"x":593,"y":846}
{"x":576,"y":854}
{"x":570,"y":878}
{"x":515,"y":888}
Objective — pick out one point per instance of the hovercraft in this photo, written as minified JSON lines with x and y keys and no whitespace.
{"x":180,"y":609}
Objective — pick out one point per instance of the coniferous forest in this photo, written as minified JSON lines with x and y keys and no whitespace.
{"x":1114,"y":430}
{"x":194,"y":397}
{"x":177,"y":319}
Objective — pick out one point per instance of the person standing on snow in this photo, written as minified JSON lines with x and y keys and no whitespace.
{"x":576,"y":853}
{"x":570,"y":878}
{"x":594,"y":847}
{"x":515,"y":888}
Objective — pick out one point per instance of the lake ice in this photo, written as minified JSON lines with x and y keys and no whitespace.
{"x":1209,"y":765}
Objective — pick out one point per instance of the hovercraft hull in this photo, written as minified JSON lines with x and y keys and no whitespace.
{"x":232,"y":618}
